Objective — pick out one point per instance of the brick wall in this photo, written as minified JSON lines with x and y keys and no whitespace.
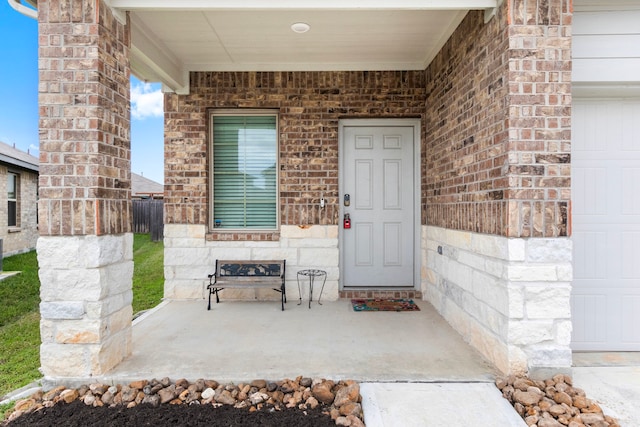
{"x":497,"y":157}
{"x":496,"y":137}
{"x":540,"y":118}
{"x":309,"y":105}
{"x":84,"y":119}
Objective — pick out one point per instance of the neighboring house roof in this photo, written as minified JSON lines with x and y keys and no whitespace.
{"x":145,"y":187}
{"x":14,"y":157}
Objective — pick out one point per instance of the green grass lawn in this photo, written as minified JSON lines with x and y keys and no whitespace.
{"x":19,"y":323}
{"x":148,"y":272}
{"x":19,"y":294}
{"x":20,"y":316}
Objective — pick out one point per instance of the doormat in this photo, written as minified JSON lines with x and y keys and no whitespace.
{"x":378,"y":304}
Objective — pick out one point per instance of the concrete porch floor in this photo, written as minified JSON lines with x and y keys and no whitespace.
{"x":239,"y":341}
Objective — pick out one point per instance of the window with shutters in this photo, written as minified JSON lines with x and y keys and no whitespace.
{"x":244,"y":171}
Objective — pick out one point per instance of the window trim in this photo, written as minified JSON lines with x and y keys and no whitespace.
{"x":16,"y":200}
{"x":210,"y":182}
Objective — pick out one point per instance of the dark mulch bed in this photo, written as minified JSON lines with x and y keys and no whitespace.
{"x":78,"y":414}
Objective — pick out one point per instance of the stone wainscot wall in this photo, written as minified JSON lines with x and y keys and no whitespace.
{"x":508,"y":297}
{"x":189,"y":258}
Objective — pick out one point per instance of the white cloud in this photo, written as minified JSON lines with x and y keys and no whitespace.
{"x":34,"y":148}
{"x":146,"y":101}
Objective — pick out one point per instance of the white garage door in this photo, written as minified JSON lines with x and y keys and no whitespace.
{"x":606,"y":224}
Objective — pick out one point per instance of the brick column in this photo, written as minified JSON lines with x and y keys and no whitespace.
{"x":539,"y":174}
{"x":539,"y":146}
{"x":85,"y":245}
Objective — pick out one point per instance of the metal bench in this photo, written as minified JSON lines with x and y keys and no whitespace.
{"x":248,"y":274}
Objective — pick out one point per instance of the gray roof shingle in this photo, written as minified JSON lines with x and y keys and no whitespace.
{"x":12,"y":156}
{"x":145,"y":187}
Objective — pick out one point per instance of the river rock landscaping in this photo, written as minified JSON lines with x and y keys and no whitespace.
{"x":303,"y":401}
{"x":554,"y":402}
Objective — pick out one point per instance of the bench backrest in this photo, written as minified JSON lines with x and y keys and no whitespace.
{"x":226,"y":268}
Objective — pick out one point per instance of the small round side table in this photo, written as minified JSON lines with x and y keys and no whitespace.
{"x":312,"y":274}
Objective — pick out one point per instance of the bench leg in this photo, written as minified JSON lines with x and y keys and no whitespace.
{"x":212,"y":291}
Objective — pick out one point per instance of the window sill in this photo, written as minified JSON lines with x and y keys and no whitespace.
{"x":243,"y":236}
{"x":14,"y":229}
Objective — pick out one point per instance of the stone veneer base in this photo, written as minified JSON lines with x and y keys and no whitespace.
{"x":85,"y":303}
{"x":508,"y":297}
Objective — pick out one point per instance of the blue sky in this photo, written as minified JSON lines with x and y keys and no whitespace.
{"x":19,"y":98}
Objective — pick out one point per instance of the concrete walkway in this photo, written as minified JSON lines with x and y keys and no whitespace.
{"x":613,"y":380}
{"x":436,"y":405}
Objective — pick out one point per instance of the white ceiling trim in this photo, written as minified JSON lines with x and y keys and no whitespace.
{"x":142,"y":65}
{"x":304,"y":4}
{"x":296,"y":66}
{"x":149,"y":57}
{"x":170,"y":38}
{"x":445,"y":36}
{"x":120,"y":15}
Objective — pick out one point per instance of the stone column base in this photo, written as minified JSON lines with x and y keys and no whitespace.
{"x":85,"y":304}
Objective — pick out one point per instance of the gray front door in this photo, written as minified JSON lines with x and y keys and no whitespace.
{"x":378,"y":181}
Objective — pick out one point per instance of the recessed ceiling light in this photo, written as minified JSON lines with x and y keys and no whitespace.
{"x":300,"y":27}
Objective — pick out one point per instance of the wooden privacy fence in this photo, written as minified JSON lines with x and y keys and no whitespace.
{"x":148,"y":217}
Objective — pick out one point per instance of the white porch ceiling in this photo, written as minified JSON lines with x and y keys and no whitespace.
{"x":172,"y":38}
